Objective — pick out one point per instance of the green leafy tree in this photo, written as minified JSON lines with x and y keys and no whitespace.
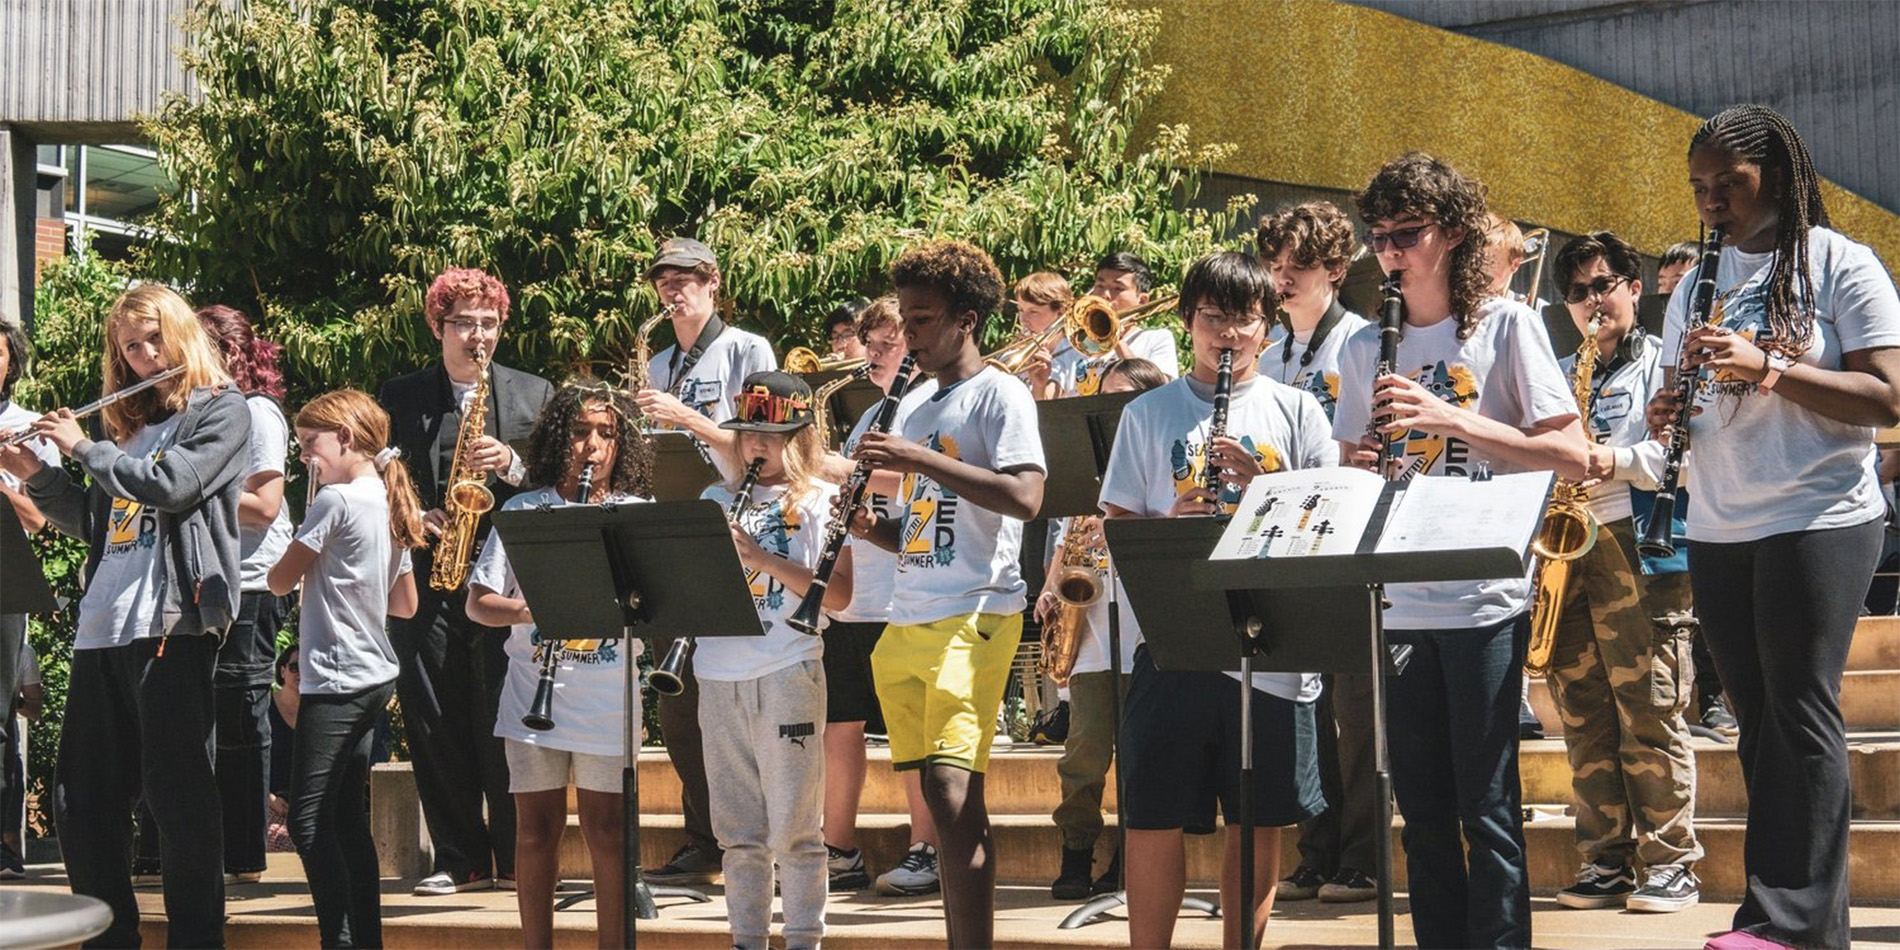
{"x":344,"y":152}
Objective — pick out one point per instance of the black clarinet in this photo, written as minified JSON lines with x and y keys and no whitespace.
{"x":1657,"y":539}
{"x":669,"y":678}
{"x":1217,"y":426}
{"x":540,"y":715}
{"x":806,"y":618}
{"x":1391,"y":334}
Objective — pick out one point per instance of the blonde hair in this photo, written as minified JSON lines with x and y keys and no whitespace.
{"x":353,"y":412}
{"x":1504,"y":234}
{"x":803,"y":457}
{"x":1047,"y":289}
{"x":185,"y":343}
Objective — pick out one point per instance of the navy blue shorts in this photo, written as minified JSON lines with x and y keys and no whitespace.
{"x":1180,"y":753}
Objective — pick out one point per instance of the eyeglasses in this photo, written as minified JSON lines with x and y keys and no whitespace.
{"x":467,"y":327}
{"x":1404,"y":238}
{"x":842,"y":334}
{"x":762,"y":406}
{"x":1221,"y":319}
{"x":1600,"y":287}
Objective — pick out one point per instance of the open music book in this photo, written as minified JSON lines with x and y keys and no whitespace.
{"x":1335,"y":511}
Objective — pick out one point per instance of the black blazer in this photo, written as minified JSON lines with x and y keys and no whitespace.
{"x":425,"y":421}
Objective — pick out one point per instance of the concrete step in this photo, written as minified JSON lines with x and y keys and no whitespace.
{"x":1029,"y":852}
{"x":1870,"y":701}
{"x":1873,"y":763}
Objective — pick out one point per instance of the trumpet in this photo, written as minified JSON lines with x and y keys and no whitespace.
{"x":540,"y":715}
{"x":669,"y":678}
{"x":800,"y":360}
{"x":19,"y":438}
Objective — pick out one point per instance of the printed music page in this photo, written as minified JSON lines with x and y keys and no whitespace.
{"x":1301,"y":513}
{"x":1449,"y":513}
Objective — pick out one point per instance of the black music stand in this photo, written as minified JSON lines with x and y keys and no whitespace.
{"x":681,"y":469}
{"x":590,"y":568}
{"x":25,"y":590}
{"x":1325,"y":614}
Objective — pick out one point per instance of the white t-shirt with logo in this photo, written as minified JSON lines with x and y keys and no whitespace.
{"x":794,"y":531}
{"x":13,"y":418}
{"x":1285,"y":361}
{"x":345,"y":648}
{"x":1161,"y":450}
{"x":1763,"y":465}
{"x":590,"y":704}
{"x":873,"y":569}
{"x":1618,"y":416}
{"x":121,"y":602}
{"x":261,"y":548}
{"x":708,"y":389}
{"x":955,"y":558}
{"x":1079,"y":375}
{"x":1506,"y":371}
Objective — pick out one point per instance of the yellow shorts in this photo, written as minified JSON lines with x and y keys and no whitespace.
{"x":940,"y":685}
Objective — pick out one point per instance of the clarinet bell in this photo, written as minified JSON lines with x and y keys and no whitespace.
{"x":806,"y":619}
{"x":669,"y":678}
{"x":540,"y":716}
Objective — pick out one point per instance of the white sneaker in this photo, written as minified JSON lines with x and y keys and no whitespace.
{"x":916,"y":874}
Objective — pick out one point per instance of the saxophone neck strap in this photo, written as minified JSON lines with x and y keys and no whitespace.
{"x":685,"y":359}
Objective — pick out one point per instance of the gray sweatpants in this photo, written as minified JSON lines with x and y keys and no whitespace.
{"x":765,"y":765}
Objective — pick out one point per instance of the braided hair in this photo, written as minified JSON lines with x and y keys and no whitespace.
{"x":1764,"y":138}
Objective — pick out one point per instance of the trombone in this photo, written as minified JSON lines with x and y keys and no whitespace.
{"x":800,"y":360}
{"x":1536,"y":251}
{"x":1091,"y":324}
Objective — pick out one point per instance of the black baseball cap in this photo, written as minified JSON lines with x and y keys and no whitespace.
{"x":771,"y":401}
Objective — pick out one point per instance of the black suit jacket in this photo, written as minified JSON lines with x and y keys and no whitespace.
{"x":425,"y":420}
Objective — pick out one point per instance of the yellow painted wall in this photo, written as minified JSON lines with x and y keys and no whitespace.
{"x":1315,"y":92}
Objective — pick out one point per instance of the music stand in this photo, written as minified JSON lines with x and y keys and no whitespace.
{"x":681,"y":469}
{"x":26,"y":591}
{"x":591,"y":568}
{"x":1295,"y":614}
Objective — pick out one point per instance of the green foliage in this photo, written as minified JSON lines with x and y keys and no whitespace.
{"x":343,"y":153}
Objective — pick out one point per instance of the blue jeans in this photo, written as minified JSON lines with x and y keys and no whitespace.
{"x":1453,"y":731}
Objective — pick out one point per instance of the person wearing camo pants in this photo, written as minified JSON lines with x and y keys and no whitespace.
{"x":1620,"y":669}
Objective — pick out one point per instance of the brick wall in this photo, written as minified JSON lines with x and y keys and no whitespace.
{"x":49,"y":241}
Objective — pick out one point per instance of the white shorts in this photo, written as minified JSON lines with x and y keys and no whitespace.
{"x":532,"y":768}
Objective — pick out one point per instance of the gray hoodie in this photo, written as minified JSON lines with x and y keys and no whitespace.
{"x":194,"y":486}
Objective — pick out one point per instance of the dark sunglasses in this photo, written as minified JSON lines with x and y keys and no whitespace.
{"x":1404,"y":238}
{"x":1601,"y":287}
{"x":760,"y":406}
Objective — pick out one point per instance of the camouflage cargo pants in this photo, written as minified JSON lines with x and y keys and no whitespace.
{"x":1621,"y":680}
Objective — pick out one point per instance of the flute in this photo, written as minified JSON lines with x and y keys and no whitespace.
{"x":108,"y":399}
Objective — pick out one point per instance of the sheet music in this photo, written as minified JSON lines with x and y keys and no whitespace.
{"x":1301,"y":513}
{"x":1448,"y":513}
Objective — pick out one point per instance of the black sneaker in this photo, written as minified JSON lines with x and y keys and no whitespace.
{"x":1717,"y":719}
{"x":1073,"y":883}
{"x":11,"y":867}
{"x":691,"y":864}
{"x":1111,"y":879}
{"x":147,"y":872}
{"x":846,"y":869}
{"x":1528,"y":725}
{"x":1302,"y":885}
{"x":1349,"y":886}
{"x":1598,"y":885}
{"x":1667,"y":888}
{"x":1052,"y":727}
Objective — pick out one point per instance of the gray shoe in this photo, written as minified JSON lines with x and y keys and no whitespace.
{"x":691,"y":864}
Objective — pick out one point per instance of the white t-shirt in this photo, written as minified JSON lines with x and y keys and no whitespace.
{"x":262,"y":548}
{"x":873,"y":569}
{"x":1161,"y":450}
{"x":1078,"y":375}
{"x":1285,"y":361}
{"x":795,"y":532}
{"x":955,"y":558}
{"x":1092,"y":654}
{"x":13,"y":418}
{"x":1618,"y":414}
{"x":121,"y":602}
{"x":1506,"y":371}
{"x":590,"y":700}
{"x":1763,"y":465}
{"x":346,"y":591}
{"x":725,"y":364}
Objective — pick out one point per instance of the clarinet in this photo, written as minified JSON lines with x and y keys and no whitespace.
{"x":1217,"y":426}
{"x":1657,"y":540}
{"x":669,"y":678}
{"x":1391,"y":333}
{"x":806,"y":618}
{"x":540,"y":715}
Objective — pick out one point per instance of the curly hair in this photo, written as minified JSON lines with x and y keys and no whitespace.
{"x":1313,"y":233}
{"x":1623,"y":260}
{"x":962,"y":272}
{"x":1761,"y":136}
{"x":549,"y":449}
{"x":463,"y":283}
{"x":1417,"y":185}
{"x":251,"y":359}
{"x":880,"y":314}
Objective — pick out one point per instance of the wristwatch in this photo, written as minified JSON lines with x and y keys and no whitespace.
{"x":1777,"y":364}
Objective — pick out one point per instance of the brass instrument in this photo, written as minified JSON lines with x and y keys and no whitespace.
{"x":1095,"y":328}
{"x":1013,"y":357}
{"x":1536,"y":251}
{"x":1078,"y":587}
{"x":467,"y":498}
{"x":108,"y":399}
{"x":540,"y":714}
{"x":669,"y":678}
{"x":1569,"y":530}
{"x":636,"y":374}
{"x":800,"y":360}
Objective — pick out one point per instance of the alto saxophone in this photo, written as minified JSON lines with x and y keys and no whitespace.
{"x":1078,"y":587}
{"x":467,"y":497}
{"x":636,"y":375}
{"x":1569,"y":530}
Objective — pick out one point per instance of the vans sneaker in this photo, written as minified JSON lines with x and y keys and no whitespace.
{"x":1598,"y":885}
{"x":1667,"y":888}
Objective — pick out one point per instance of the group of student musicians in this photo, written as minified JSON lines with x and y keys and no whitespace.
{"x":191,"y":556}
